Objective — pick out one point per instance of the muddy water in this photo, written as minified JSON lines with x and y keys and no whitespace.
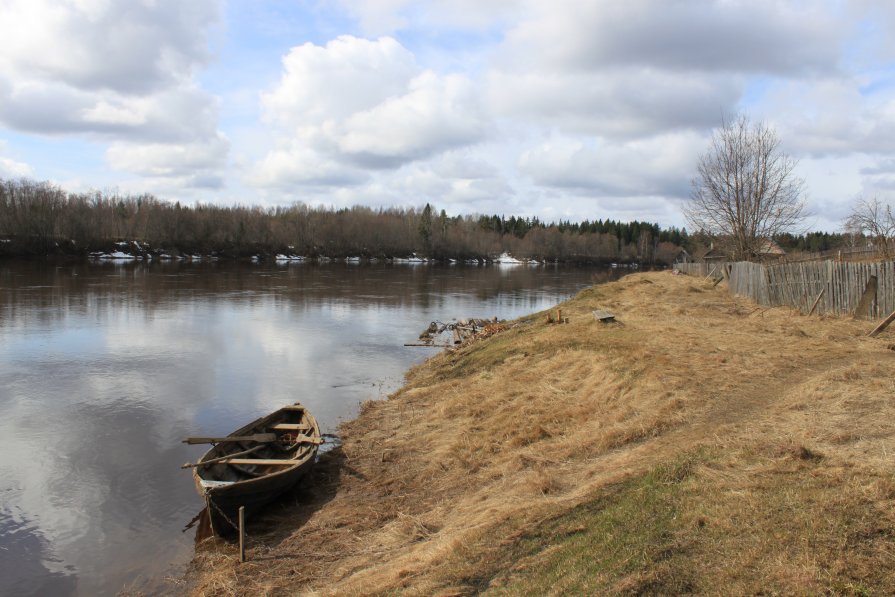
{"x":104,"y":368}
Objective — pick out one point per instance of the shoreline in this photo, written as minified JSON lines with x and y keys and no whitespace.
{"x":690,"y":448}
{"x":134,"y":252}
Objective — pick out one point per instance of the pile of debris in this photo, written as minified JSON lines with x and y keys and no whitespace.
{"x":459,"y":332}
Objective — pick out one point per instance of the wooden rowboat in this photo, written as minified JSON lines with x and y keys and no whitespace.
{"x":255,"y":464}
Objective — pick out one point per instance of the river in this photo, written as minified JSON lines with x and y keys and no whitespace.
{"x":105,"y":367}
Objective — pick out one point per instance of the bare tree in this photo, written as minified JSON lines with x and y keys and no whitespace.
{"x":746,"y":189}
{"x":873,"y":218}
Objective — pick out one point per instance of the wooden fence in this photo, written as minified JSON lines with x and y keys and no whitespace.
{"x":861,"y":289}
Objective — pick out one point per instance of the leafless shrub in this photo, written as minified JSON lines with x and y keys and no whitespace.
{"x":746,"y":188}
{"x":873,"y":218}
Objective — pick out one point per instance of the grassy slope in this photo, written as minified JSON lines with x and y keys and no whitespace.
{"x":704,"y":446}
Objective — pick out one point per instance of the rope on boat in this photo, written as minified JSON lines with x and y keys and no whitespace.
{"x":210,"y":502}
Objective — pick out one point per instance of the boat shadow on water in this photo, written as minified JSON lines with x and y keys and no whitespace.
{"x":284,"y":516}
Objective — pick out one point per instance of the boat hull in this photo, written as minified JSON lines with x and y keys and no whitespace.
{"x":224,"y":502}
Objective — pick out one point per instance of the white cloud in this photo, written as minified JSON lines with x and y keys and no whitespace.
{"x":115,"y":71}
{"x":715,"y":35}
{"x":133,"y":46}
{"x":193,"y":165}
{"x":332,"y":132}
{"x":436,"y":113}
{"x":296,"y":164}
{"x":464,"y":180}
{"x":659,"y":166}
{"x":331,"y":82}
{"x":830,"y":116}
{"x":618,"y":103}
{"x":11,"y":168}
{"x":644,"y":67}
{"x":174,"y":115}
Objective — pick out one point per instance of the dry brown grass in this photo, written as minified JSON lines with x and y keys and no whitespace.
{"x":458,"y":483}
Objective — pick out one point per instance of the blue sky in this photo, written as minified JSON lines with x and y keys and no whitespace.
{"x":566,"y":109}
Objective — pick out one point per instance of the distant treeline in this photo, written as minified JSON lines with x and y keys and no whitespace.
{"x":40,"y":218}
{"x":816,"y":242}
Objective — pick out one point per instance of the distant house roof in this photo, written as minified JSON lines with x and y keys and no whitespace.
{"x":770,"y":248}
{"x":713,"y":254}
{"x":682,"y":256}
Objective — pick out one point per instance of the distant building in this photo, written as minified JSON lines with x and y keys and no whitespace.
{"x":770,"y":250}
{"x":767,"y":250}
{"x":683,"y":256}
{"x":712,"y":254}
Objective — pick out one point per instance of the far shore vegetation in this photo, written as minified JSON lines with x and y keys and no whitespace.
{"x":40,"y":218}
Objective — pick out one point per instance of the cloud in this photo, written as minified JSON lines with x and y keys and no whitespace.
{"x":114,"y":71}
{"x":659,"y":166}
{"x":178,"y":114}
{"x":616,"y":103}
{"x":356,"y":105}
{"x":646,"y":67}
{"x":707,"y":36}
{"x":295,"y":164}
{"x":464,"y":179}
{"x":194,"y":165}
{"x":830,"y":116}
{"x":128,"y":47}
{"x":435,"y":114}
{"x":11,"y":168}
{"x":332,"y":82}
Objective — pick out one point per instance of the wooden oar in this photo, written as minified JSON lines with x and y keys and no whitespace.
{"x":219,"y":458}
{"x":261,"y":438}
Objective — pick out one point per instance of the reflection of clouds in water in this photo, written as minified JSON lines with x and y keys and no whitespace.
{"x":24,"y":561}
{"x":38,"y":435}
{"x":91,"y":462}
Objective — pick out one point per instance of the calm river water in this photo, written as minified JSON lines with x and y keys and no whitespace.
{"x":104,"y":368}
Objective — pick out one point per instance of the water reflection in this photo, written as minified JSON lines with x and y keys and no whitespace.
{"x":105,"y":367}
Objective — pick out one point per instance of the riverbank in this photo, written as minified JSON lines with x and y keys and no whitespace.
{"x":703,"y":445}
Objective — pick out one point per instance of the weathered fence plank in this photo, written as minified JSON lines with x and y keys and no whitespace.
{"x":834,"y":287}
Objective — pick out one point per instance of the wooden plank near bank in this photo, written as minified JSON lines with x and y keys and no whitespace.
{"x":883,"y":325}
{"x":242,"y":533}
{"x":817,"y":300}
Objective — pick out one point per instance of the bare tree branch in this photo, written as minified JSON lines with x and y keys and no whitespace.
{"x":745,"y":188}
{"x":873,"y":218}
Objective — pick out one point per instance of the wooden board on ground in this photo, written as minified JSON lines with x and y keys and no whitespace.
{"x":888,"y":320}
{"x":604,"y":316}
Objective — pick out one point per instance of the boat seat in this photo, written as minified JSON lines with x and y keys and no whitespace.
{"x":290,"y":427}
{"x":262,"y":461}
{"x":294,"y":407}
